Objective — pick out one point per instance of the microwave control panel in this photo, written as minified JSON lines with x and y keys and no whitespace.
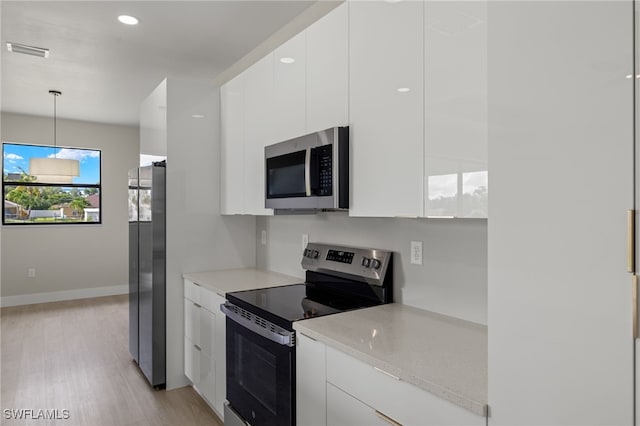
{"x":325,"y":163}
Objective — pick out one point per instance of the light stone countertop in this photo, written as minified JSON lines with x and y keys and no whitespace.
{"x":442,"y":355}
{"x":227,"y":280}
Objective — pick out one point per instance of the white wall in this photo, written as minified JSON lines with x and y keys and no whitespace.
{"x":198,"y":238}
{"x":76,"y":260}
{"x":153,"y":122}
{"x":452,"y":279}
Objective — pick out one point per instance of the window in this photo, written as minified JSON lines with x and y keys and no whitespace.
{"x":28,"y":201}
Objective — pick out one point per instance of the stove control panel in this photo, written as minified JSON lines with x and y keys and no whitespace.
{"x":367,"y":264}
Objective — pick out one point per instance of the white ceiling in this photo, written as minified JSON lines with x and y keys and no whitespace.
{"x":105,"y":69}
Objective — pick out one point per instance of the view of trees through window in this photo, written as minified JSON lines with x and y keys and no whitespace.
{"x":30,"y":199}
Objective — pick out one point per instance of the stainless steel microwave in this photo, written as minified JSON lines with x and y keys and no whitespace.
{"x":310,"y":172}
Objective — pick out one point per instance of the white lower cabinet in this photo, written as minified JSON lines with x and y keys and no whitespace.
{"x":311,"y":376}
{"x":204,"y":345}
{"x":333,"y":388}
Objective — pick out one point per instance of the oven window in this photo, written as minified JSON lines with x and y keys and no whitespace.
{"x":257,"y":370}
{"x":288,"y":180}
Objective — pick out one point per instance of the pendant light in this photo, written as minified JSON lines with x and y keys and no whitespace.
{"x":53,"y":169}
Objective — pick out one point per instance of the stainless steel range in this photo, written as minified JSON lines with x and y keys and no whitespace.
{"x":261,"y":354}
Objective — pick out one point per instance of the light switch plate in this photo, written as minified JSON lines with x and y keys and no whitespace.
{"x":263,"y":238}
{"x":416,"y":252}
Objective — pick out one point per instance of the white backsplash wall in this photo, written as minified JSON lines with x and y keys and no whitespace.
{"x":452,"y":279}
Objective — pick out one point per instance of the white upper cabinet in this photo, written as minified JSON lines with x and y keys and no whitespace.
{"x":456,"y":167}
{"x":289,"y":65}
{"x":327,"y":71}
{"x":232,"y":147}
{"x":259,"y":131}
{"x":386,"y":108}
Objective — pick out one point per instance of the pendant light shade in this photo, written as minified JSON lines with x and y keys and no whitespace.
{"x":53,"y":169}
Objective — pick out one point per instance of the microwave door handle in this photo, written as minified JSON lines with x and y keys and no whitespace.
{"x":307,"y":172}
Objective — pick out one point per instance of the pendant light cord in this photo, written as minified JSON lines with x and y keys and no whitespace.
{"x":55,"y":128}
{"x":55,"y":94}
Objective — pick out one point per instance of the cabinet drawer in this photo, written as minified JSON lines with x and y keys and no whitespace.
{"x":345,"y":410}
{"x":208,"y":300}
{"x":409,"y":405}
{"x":192,"y":321}
{"x":207,"y":331}
{"x":192,"y":291}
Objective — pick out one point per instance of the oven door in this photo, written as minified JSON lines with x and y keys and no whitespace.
{"x":260,"y":377}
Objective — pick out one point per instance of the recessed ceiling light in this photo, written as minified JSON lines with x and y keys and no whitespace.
{"x":629,"y":76}
{"x":197,"y":116}
{"x":287,"y":60}
{"x":27,"y":50}
{"x":403,"y":89}
{"x":129,"y":20}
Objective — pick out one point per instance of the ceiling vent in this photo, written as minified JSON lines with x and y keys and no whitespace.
{"x":28,"y":50}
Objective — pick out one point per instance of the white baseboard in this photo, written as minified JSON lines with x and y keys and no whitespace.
{"x":57,"y":296}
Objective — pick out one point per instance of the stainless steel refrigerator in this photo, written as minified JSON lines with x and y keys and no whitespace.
{"x":147,"y":270}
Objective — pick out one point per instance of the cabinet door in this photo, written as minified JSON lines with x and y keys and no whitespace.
{"x":328,"y":71}
{"x":456,"y":131}
{"x":232,"y":147}
{"x":345,"y":410}
{"x":289,"y":64}
{"x":561,"y":153}
{"x":386,"y":107}
{"x":206,"y":385}
{"x":258,"y":132}
{"x":310,"y":382}
{"x":191,"y":361}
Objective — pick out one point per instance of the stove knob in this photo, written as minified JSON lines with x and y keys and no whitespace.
{"x":366,"y":262}
{"x":375,"y":264}
{"x":315,"y":254}
{"x":306,"y":252}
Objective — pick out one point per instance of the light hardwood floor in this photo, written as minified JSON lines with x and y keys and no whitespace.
{"x":74,"y":355}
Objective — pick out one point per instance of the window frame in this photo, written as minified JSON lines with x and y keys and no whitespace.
{"x":51,"y":185}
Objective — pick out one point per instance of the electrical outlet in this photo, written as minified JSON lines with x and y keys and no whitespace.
{"x":416,"y":252}
{"x":305,"y":241}
{"x":31,"y":272}
{"x":263,"y":238}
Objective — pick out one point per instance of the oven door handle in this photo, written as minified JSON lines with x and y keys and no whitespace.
{"x":253,"y":322}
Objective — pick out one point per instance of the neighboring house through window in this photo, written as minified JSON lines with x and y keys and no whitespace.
{"x":30,"y":199}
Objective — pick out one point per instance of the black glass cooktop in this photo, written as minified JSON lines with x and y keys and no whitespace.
{"x":286,"y":304}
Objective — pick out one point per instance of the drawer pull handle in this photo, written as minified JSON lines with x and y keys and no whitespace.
{"x":197,"y":305}
{"x":631,"y":235}
{"x":384,"y":372}
{"x":197,"y":347}
{"x":387,"y":419}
